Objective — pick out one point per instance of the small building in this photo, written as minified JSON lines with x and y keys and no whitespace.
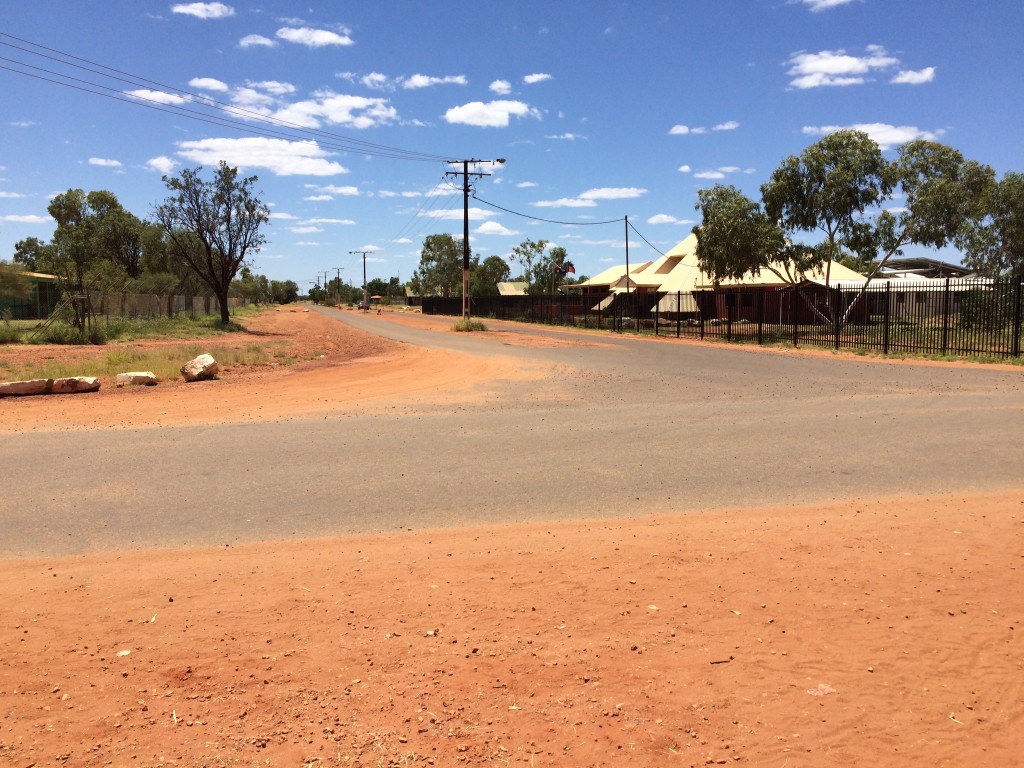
{"x":917,"y":267}
{"x":514,"y":288}
{"x":675,"y":285}
{"x":44,"y":299}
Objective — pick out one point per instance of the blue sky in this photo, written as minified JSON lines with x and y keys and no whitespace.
{"x":601,"y":109}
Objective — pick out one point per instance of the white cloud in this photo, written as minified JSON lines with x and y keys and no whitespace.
{"x":565,"y":202}
{"x":308,"y":243}
{"x":23,"y":123}
{"x":304,"y":230}
{"x":501,"y":87}
{"x":10,"y":195}
{"x":443,"y":189}
{"x":539,"y":77}
{"x":837,"y":68}
{"x":159,"y":97}
{"x":526,"y":184}
{"x":822,"y":5}
{"x":314,"y":38}
{"x":475,"y":214}
{"x":493,"y":114}
{"x":334,"y":189}
{"x":377,"y":81}
{"x":885,"y":135}
{"x":425,"y":81}
{"x":709,"y":175}
{"x":254,"y":41}
{"x":494,"y":228}
{"x":283,"y":158}
{"x":679,"y":130}
{"x":329,"y":221}
{"x":402,"y":241}
{"x":26,"y":219}
{"x":338,"y":109}
{"x":912,"y":77}
{"x":317,"y":198}
{"x":613,"y":193}
{"x":730,"y":125}
{"x":204,"y":10}
{"x":253,"y":100}
{"x":566,"y":136}
{"x":274,"y":87}
{"x":104,"y":162}
{"x":684,"y":169}
{"x":664,"y":218}
{"x":208,"y":84}
{"x":283,"y":216}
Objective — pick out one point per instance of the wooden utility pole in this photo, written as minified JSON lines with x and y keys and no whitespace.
{"x":465,"y":174}
{"x":366,"y":299}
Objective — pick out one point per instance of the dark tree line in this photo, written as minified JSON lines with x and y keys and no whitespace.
{"x":196,"y":243}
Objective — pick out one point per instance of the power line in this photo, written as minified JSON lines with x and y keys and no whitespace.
{"x":637,"y":231}
{"x":547,"y":221}
{"x":421,"y":213}
{"x":338,"y":141}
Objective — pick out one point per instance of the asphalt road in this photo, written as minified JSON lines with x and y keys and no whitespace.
{"x":624,"y":427}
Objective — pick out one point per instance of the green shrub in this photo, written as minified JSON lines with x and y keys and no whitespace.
{"x":470,"y":325}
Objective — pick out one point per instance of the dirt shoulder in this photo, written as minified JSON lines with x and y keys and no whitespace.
{"x":340,"y":365}
{"x":867,"y":633}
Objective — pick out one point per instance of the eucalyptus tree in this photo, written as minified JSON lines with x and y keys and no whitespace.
{"x":526,"y":254}
{"x":485,"y":275}
{"x":440,"y":269}
{"x":832,"y":187}
{"x":735,"y":236}
{"x":32,"y":254}
{"x":994,"y":243}
{"x":213,"y":226}
{"x":942,"y":194}
{"x":88,"y":244}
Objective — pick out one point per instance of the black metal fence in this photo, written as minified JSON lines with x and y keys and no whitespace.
{"x":949,"y":317}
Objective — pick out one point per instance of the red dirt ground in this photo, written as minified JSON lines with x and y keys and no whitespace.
{"x":873,"y":632}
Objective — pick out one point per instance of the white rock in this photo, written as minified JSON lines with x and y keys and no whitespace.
{"x":65,"y":386}
{"x":200,"y":368}
{"x":142,"y":378}
{"x":74,"y":384}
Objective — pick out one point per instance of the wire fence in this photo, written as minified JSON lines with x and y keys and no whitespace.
{"x":944,"y":317}
{"x":131,"y":305}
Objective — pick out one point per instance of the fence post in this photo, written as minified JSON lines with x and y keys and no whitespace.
{"x":760,"y":316}
{"x":945,"y":318}
{"x":1015,"y":347}
{"x":836,"y":315}
{"x":700,"y":310}
{"x":679,"y":313}
{"x":794,"y":310}
{"x":885,"y":318}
